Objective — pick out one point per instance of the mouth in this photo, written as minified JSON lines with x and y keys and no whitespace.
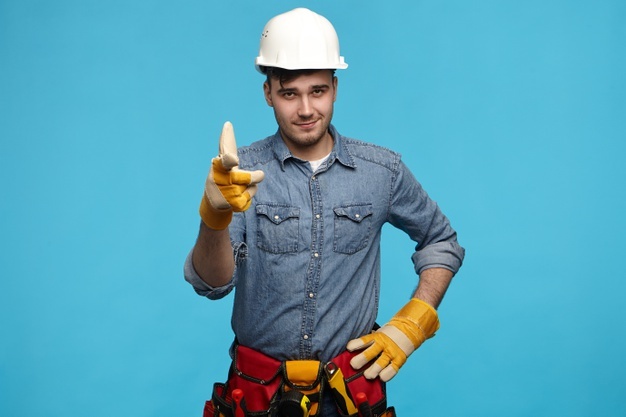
{"x":306,"y":125}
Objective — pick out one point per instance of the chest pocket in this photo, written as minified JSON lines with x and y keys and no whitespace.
{"x":277,"y":228}
{"x":353,"y":226}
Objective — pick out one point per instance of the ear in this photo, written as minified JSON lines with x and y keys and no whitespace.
{"x":267,"y":94}
{"x":335,"y":84}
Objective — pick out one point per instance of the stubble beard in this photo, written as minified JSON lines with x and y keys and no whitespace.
{"x":304,"y":140}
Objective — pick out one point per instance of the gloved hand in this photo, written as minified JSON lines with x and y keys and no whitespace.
{"x":227,"y":188}
{"x":396,"y":340}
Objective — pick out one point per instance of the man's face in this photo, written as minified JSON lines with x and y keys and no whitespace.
{"x":303,"y":108}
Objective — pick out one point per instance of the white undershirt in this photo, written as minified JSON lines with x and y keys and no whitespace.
{"x":316,"y":164}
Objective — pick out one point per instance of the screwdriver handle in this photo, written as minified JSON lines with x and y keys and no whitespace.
{"x":365,"y":410}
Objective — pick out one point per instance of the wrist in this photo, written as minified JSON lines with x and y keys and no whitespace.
{"x":418,"y":319}
{"x":213,"y":218}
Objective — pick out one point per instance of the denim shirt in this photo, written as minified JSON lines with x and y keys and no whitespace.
{"x":307,"y":251}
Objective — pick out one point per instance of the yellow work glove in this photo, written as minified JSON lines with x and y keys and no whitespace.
{"x":396,"y":340}
{"x":227,"y":188}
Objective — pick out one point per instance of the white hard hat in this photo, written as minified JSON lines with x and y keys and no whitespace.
{"x":299,"y":39}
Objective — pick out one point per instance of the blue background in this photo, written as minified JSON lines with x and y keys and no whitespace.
{"x":511,"y":114}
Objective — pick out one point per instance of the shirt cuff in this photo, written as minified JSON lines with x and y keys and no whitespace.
{"x":448,"y":255}
{"x":201,"y":287}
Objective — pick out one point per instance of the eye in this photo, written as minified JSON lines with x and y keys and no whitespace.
{"x":318,"y":92}
{"x":289,"y":94}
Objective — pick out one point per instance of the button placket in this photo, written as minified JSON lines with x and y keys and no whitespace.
{"x":315,"y":266}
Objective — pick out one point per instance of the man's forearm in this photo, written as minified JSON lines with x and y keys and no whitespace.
{"x":432,"y":285}
{"x":213,"y":256}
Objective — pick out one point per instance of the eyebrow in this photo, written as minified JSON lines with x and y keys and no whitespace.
{"x":313,"y":87}
{"x":286,"y":90}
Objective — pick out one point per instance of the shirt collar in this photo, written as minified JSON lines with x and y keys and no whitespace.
{"x":340,"y":151}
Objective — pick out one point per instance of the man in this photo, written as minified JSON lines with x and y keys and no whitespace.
{"x":302,"y":247}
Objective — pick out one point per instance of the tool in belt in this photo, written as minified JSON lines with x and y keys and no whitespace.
{"x":261,"y":386}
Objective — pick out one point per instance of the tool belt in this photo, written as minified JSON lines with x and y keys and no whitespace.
{"x":261,"y":386}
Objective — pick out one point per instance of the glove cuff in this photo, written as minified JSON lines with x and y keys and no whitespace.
{"x":212,"y":218}
{"x":420,"y":318}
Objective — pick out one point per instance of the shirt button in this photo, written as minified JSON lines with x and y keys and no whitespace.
{"x":357,"y":215}
{"x":311,"y":295}
{"x":276,"y":218}
{"x":316,"y":254}
{"x":305,"y":337}
{"x":313,"y":177}
{"x":317,"y":216}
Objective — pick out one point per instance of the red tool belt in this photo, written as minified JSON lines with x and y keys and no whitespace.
{"x":261,"y":386}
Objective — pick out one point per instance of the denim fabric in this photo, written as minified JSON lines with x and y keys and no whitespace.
{"x":308,"y":249}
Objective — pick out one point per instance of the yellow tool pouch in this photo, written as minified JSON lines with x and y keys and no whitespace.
{"x":302,"y":388}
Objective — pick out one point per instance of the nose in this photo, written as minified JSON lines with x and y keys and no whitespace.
{"x":305,"y":110}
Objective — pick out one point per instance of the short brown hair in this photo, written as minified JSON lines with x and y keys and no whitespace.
{"x":285,"y":75}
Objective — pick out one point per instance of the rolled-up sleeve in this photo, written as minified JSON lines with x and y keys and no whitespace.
{"x":201,"y":287}
{"x":414,"y":212}
{"x":447,"y":254}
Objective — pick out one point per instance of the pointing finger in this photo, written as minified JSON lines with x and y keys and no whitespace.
{"x":228,"y":147}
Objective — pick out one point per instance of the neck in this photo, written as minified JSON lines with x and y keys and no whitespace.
{"x":313,"y":151}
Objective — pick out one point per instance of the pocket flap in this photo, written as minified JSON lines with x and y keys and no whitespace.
{"x":354,"y":213}
{"x":254,"y":365}
{"x":277,"y":214}
{"x":303,"y":374}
